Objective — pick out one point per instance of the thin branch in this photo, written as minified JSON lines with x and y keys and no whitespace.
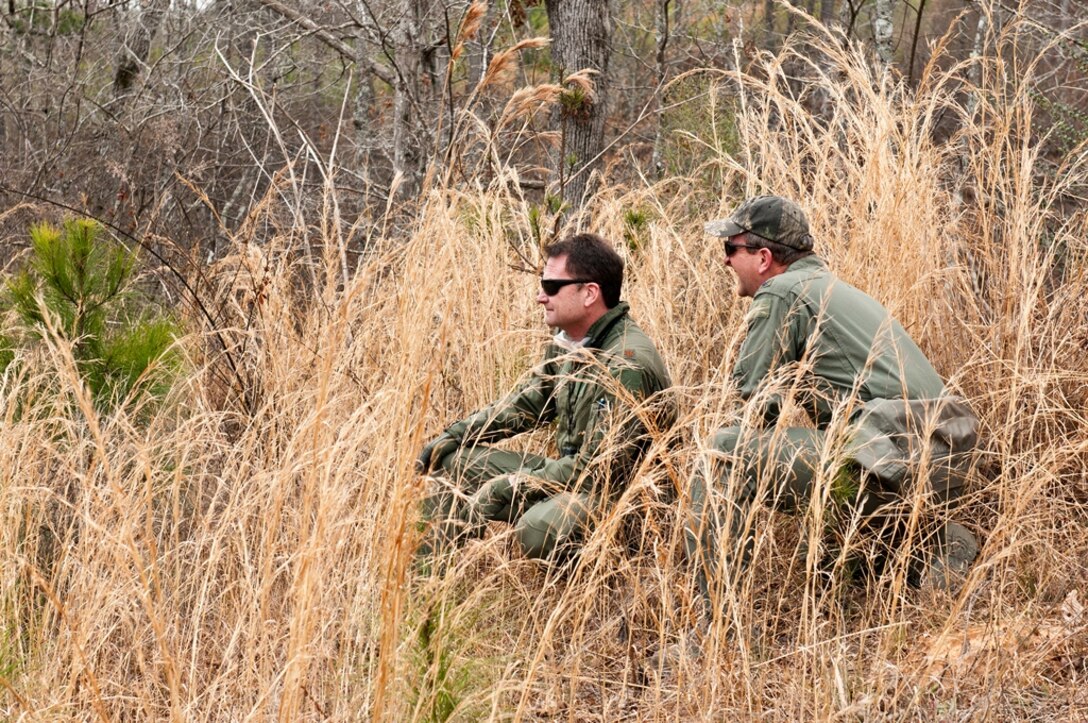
{"x":914,"y":41}
{"x":329,"y":39}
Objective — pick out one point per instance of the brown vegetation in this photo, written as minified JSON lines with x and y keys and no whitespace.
{"x":247,"y":552}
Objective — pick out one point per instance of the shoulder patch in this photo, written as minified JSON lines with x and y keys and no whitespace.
{"x":757,"y":311}
{"x":629,"y":353}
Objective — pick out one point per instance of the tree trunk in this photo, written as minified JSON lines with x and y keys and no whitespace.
{"x":581,"y":34}
{"x":883,"y":31}
{"x":365,"y":134}
{"x":136,"y":46}
{"x":791,"y":19}
{"x":848,"y":16}
{"x":974,"y":73}
{"x":408,"y":150}
{"x":915,"y":37}
{"x":663,"y":32}
{"x":827,"y":12}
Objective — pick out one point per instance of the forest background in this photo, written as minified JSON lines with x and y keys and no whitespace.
{"x":316,"y":228}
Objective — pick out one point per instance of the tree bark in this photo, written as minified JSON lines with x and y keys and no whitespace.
{"x":883,"y":31}
{"x":581,"y":39}
{"x":408,"y":154}
{"x":663,"y":32}
{"x":136,"y":46}
{"x":364,"y":135}
{"x":827,"y":12}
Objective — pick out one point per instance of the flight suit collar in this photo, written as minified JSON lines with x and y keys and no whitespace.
{"x":808,"y":263}
{"x":599,"y":331}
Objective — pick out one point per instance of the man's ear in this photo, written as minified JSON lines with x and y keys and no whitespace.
{"x":594,"y":290}
{"x":766,"y":260}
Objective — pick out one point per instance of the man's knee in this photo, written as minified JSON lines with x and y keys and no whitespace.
{"x":718,"y":467}
{"x":699,"y":491}
{"x":493,"y":501}
{"x":552,"y":527}
{"x":709,"y":471}
{"x":456,"y":462}
{"x":725,"y":440}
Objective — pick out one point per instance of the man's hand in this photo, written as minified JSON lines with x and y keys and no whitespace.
{"x":434,"y":451}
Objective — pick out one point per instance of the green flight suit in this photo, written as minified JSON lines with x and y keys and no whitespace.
{"x":836,"y":351}
{"x":596,"y":396}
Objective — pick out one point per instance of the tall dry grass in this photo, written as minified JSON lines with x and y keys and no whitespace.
{"x":225,"y":562}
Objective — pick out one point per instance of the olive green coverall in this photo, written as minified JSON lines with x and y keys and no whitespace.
{"x":839,"y":354}
{"x":601,"y":396}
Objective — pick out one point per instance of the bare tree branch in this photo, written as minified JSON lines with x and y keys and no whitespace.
{"x":329,"y":39}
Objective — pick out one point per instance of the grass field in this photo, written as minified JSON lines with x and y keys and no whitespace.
{"x":229,"y":557}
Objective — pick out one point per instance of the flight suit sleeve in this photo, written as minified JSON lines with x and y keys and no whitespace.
{"x":528,"y":406}
{"x":771,"y":342}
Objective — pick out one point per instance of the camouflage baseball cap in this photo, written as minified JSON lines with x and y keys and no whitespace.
{"x":772,"y":217}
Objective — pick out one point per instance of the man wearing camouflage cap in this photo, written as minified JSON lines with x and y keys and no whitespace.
{"x":884,"y":422}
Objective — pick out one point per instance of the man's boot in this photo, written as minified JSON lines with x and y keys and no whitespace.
{"x":955,"y":552}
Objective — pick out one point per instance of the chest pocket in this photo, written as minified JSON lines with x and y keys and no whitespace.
{"x":565,"y":393}
{"x":574,"y":398}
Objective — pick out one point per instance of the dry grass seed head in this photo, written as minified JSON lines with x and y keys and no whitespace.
{"x":505,"y":58}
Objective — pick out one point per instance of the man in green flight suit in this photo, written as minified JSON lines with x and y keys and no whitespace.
{"x":601,"y":386}
{"x":883,"y":421}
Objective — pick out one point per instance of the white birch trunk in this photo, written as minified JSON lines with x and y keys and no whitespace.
{"x":883,"y":30}
{"x":407,"y":151}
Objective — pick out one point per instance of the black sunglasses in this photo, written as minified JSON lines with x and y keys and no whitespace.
{"x":731,"y":248}
{"x":551,"y":287}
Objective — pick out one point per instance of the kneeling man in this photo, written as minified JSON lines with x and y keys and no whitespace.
{"x":600,"y":387}
{"x":880,"y":413}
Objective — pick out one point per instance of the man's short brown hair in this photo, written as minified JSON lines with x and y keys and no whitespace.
{"x":591,"y":257}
